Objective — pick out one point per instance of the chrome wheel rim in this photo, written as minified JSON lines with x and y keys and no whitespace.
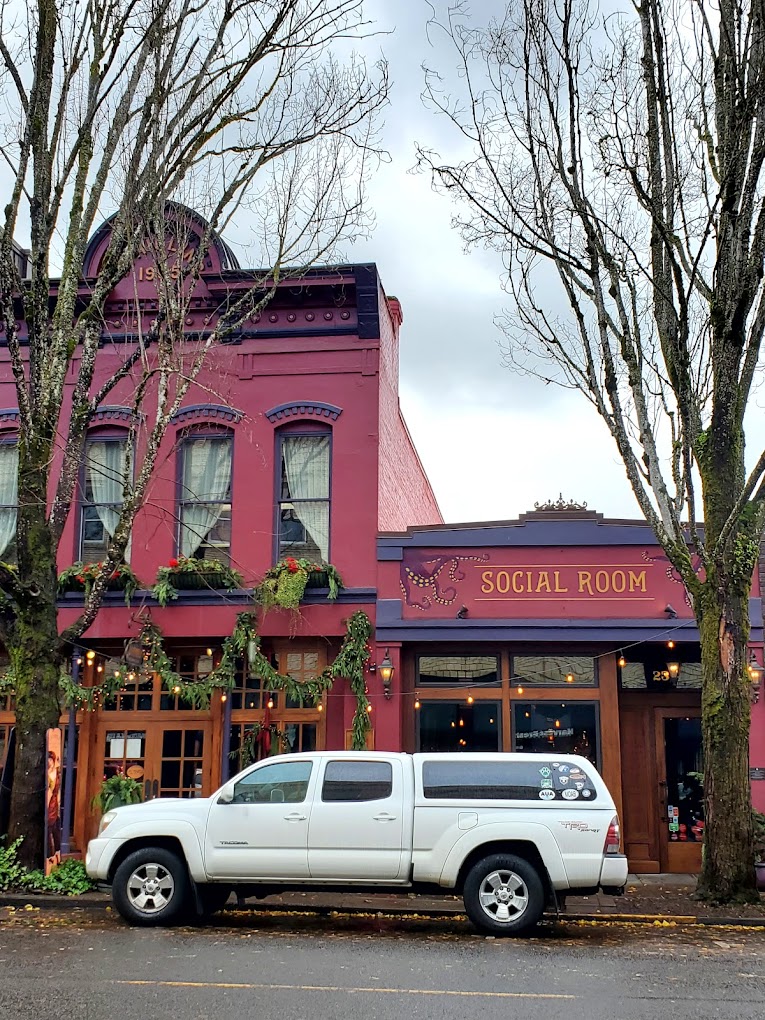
{"x":150,"y":888}
{"x":503,"y":896}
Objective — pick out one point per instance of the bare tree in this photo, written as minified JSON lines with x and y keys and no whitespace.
{"x":615,"y":159}
{"x":129,"y":107}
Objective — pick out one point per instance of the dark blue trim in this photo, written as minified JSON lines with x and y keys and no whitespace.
{"x":299,"y":408}
{"x":392,"y":627}
{"x":367,"y":304}
{"x":10,"y":414}
{"x":208,"y":597}
{"x":567,"y":532}
{"x":206,"y":412}
{"x":118,"y":413}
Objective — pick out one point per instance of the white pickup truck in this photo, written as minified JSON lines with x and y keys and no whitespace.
{"x":511,"y":832}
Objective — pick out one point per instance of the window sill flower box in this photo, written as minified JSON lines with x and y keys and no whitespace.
{"x":190,"y":574}
{"x":80,"y":577}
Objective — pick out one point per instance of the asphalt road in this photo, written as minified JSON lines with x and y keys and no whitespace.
{"x":91,"y":966}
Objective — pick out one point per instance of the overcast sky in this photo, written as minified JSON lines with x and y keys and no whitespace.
{"x":493,"y":443}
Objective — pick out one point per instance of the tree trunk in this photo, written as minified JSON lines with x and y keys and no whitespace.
{"x":727,"y":871}
{"x":34,"y":650}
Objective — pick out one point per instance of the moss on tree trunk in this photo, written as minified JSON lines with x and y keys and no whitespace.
{"x":34,"y":649}
{"x":727,"y":871}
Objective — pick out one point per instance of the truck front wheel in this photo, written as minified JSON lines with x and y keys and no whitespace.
{"x":151,"y":887}
{"x":504,"y":895}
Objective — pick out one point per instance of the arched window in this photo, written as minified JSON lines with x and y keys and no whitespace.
{"x":9,"y":495}
{"x":204,"y":503}
{"x":304,"y":458}
{"x":107,"y":468}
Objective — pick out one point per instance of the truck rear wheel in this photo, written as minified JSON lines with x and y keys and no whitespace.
{"x":151,"y":887}
{"x":504,"y":895}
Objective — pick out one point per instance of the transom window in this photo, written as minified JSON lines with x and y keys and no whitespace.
{"x":554,"y":671}
{"x":304,"y":496}
{"x":106,"y":472}
{"x":205,"y":497}
{"x":457,"y":670}
{"x":9,"y":499}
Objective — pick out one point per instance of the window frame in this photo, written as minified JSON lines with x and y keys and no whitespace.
{"x":312,"y":430}
{"x":191,"y":435}
{"x":11,"y":438}
{"x":113,"y":435}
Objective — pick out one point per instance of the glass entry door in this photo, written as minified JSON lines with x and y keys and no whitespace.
{"x":167,"y":759}
{"x":681,"y":795}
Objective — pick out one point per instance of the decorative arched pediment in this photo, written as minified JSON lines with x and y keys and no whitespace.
{"x":302,"y":409}
{"x":181,"y":223}
{"x":206,"y":412}
{"x":115,"y":413}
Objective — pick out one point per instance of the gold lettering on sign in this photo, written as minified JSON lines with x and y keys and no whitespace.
{"x":637,"y":581}
{"x":605,"y":583}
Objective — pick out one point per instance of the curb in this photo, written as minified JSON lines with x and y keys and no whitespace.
{"x":43,"y":902}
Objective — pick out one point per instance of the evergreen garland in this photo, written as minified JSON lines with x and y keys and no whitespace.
{"x":243,"y":642}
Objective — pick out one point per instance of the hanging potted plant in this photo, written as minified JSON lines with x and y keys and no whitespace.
{"x":189,"y":573}
{"x":285,"y":583}
{"x":117,"y":791}
{"x":80,"y":577}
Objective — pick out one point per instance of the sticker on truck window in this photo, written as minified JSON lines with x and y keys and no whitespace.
{"x":505,"y":780}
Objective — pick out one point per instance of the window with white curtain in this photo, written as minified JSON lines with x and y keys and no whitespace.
{"x":107,"y":469}
{"x":9,"y":499}
{"x":205,"y":497}
{"x":304,"y":497}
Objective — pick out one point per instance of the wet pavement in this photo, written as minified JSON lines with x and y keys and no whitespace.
{"x":296,"y":965}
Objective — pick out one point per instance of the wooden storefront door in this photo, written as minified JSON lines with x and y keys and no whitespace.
{"x":660,"y":746}
{"x":170,"y":758}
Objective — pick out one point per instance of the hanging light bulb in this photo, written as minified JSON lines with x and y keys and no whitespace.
{"x":99,"y":669}
{"x":270,"y":703}
{"x":557,"y":724}
{"x":208,"y":651}
{"x":79,"y":660}
{"x":470,"y":699}
{"x":369,"y":708}
{"x":670,"y":644}
{"x":223,"y":698}
{"x":90,"y":655}
{"x":320,"y":707}
{"x":569,"y":677}
{"x":520,"y":690}
{"x":416,"y":701}
{"x":176,"y":689}
{"x":621,"y":661}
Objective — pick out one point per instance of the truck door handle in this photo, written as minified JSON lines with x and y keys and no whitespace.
{"x":295,"y":817}
{"x":384,"y":817}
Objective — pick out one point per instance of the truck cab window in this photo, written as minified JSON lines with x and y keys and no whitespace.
{"x":276,"y":783}
{"x":357,"y":781}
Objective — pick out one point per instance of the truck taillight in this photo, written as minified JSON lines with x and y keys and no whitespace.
{"x":613,"y":837}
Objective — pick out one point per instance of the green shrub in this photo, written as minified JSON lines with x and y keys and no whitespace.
{"x":68,"y":879}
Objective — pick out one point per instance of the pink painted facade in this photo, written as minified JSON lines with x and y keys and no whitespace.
{"x":320,"y":359}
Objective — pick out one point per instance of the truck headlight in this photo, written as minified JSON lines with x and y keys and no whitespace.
{"x":105,"y":820}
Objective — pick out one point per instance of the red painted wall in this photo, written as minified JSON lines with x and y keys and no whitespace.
{"x":405,"y":495}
